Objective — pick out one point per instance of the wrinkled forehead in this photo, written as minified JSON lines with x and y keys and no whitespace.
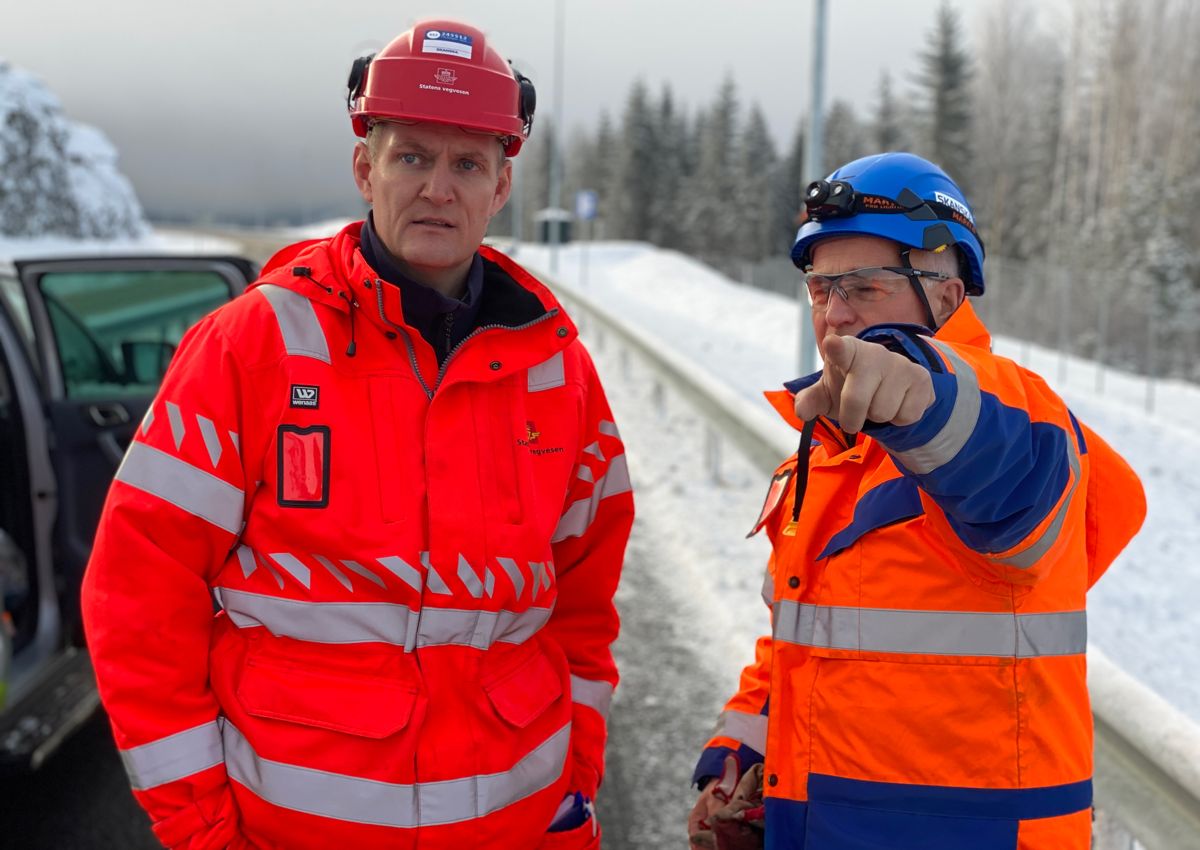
{"x":430,"y":137}
{"x":842,"y":253}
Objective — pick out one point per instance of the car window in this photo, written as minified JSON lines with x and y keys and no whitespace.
{"x":116,"y":330}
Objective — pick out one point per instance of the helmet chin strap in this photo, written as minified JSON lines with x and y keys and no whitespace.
{"x":915,"y":282}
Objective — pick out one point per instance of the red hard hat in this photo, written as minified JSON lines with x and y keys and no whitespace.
{"x":447,"y":73}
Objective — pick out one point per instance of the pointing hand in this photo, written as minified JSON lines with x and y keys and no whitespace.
{"x":865,"y":381}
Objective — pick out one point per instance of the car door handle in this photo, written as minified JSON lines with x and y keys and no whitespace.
{"x":108,"y":414}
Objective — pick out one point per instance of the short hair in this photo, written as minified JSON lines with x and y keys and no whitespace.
{"x":948,"y":262}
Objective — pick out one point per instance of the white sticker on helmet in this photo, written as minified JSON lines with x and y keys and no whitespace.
{"x":954,"y":204}
{"x":446,"y":43}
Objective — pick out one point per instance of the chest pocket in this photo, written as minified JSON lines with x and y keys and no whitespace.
{"x":889,"y":503}
{"x":500,"y":423}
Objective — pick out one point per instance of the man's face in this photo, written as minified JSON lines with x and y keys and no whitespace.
{"x":842,"y":254}
{"x":432,"y":189}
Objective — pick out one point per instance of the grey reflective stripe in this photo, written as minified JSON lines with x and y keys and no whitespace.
{"x":949,"y":441}
{"x":298,"y":325}
{"x":467,"y":575}
{"x":402,"y":570}
{"x":383,"y":622}
{"x":547,"y":375}
{"x":514,"y":574}
{"x":294,"y":567}
{"x":335,"y":572}
{"x":174,"y":757}
{"x":585,"y":474}
{"x":359,"y":569}
{"x":768,"y":588}
{"x":212,"y":442}
{"x":610,"y":428}
{"x":148,"y":419}
{"x":368,"y":801}
{"x":322,"y":622}
{"x":931,"y":632}
{"x":479,"y":629}
{"x":592,"y":693}
{"x":1029,"y":556}
{"x":433,"y":579}
{"x":750,"y":729}
{"x":190,"y":489}
{"x":178,"y":427}
{"x":245,"y":556}
{"x":578,"y":518}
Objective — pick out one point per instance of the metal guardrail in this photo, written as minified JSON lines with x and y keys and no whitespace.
{"x":1147,"y":753}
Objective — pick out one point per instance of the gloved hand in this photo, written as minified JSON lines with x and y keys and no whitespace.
{"x":716,"y":794}
{"x":740,"y":825}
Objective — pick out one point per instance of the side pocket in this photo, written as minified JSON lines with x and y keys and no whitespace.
{"x":299,"y":691}
{"x":523,"y":693}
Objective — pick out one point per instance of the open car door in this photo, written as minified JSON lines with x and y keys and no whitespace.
{"x":104,"y":331}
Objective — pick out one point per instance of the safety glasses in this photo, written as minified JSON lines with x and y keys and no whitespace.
{"x":863,"y":286}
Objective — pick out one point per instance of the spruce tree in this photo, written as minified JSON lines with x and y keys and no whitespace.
{"x":944,"y":81}
{"x":755,"y":209}
{"x":886,"y":132}
{"x":635,"y":177}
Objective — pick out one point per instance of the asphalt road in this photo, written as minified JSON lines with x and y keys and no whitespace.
{"x":79,"y":800}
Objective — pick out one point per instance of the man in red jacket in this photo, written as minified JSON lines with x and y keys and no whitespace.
{"x":392,"y":466}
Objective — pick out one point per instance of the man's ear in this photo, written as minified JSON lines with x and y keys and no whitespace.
{"x":362,"y":171}
{"x":948,"y":297}
{"x":503,"y":188}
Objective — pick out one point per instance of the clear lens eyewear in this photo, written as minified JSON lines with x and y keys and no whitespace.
{"x":863,"y":286}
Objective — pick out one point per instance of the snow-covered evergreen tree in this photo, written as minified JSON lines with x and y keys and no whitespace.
{"x":637,"y":166}
{"x":845,"y":137}
{"x":944,"y":81}
{"x":757,"y":171}
{"x":57,"y":177}
{"x":887,"y":132}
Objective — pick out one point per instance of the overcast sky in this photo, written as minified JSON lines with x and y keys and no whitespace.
{"x":219,"y":106}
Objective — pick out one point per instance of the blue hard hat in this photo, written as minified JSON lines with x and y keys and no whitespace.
{"x":897,"y":196}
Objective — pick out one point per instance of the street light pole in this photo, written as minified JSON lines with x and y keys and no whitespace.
{"x":556,"y":165}
{"x":814,"y":144}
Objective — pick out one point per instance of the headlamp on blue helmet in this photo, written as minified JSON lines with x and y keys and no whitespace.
{"x":896,"y":196}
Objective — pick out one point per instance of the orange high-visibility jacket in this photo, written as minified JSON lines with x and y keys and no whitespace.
{"x":412,"y":569}
{"x":924,"y":685}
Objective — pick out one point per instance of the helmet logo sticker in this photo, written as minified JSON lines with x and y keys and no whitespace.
{"x":445,"y":76}
{"x":954,"y":204}
{"x":447,"y":43}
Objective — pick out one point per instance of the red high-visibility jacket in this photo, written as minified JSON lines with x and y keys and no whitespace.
{"x":412,"y":569}
{"x":924,"y":685}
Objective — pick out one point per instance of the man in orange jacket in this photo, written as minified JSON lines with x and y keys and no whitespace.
{"x":391,"y":465}
{"x":933,"y":543}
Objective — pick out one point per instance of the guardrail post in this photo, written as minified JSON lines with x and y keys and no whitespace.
{"x":712,"y":453}
{"x":659,"y":393}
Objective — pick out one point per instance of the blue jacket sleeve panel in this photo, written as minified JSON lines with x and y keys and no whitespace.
{"x":997,"y":452}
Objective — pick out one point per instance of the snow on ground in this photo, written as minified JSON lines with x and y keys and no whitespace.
{"x":1143,"y":614}
{"x":155,"y":242}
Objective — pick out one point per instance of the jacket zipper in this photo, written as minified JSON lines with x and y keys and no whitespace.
{"x":549,"y":314}
{"x":412,"y":355}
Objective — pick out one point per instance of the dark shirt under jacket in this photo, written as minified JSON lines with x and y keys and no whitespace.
{"x":443,"y":322}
